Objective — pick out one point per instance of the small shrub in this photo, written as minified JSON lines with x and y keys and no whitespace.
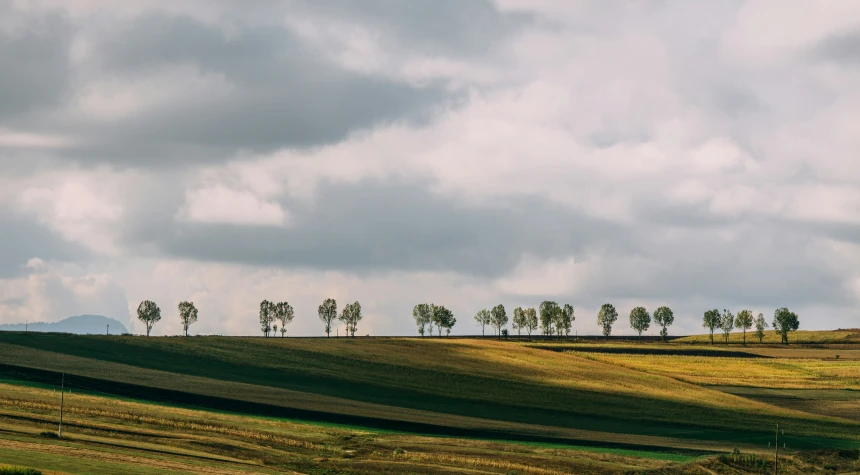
{"x":399,"y":451}
{"x":736,"y":451}
{"x":49,"y":434}
{"x":19,"y":471}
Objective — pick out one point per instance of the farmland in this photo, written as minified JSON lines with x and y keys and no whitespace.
{"x":419,"y":405}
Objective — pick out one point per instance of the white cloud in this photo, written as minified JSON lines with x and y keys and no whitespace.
{"x":221,"y":205}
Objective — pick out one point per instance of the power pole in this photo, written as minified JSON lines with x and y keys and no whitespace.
{"x":62,"y":403}
{"x":776,"y":458}
{"x":108,"y":330}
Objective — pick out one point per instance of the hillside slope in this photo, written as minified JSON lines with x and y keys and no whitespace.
{"x":478,"y":384}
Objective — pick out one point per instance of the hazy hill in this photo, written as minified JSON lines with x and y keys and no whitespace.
{"x":81,"y":324}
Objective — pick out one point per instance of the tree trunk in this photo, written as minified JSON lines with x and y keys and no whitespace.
{"x":745,"y":337}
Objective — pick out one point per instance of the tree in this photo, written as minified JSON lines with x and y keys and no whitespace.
{"x":423,"y":317}
{"x":784,"y":321}
{"x":564,"y":319}
{"x":664,"y":317}
{"x":444,"y":319}
{"x":275,"y":329}
{"x":640,"y":320}
{"x":519,"y":321}
{"x":727,"y":323}
{"x":350,"y":317}
{"x":531,"y":320}
{"x":327,"y":312}
{"x":355,"y":316}
{"x":499,"y":318}
{"x":484,"y":318}
{"x":283,"y":313}
{"x":606,"y":318}
{"x":711,"y":321}
{"x":760,"y":325}
{"x":548,"y":312}
{"x":268,"y":312}
{"x":744,"y":321}
{"x":187,"y":315}
{"x":149,"y":314}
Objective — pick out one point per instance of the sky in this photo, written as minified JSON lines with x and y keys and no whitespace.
{"x":462,"y":152}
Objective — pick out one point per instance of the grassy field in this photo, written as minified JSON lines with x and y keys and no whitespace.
{"x":609,"y":405}
{"x":848,"y":336}
{"x":108,"y":435}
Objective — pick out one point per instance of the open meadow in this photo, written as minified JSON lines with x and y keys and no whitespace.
{"x":410,"y":405}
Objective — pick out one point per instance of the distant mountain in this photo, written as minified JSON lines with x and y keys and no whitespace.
{"x":82,"y":324}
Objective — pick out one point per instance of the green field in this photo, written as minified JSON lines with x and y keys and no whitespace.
{"x":497,"y":400}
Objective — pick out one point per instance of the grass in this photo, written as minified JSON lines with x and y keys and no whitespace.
{"x":412,"y":405}
{"x":9,"y":470}
{"x":404,"y":379}
{"x":848,"y":336}
{"x":786,"y":373}
{"x":103,"y":435}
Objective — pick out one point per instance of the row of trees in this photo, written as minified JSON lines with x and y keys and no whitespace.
{"x":784,"y":321}
{"x":271,"y":312}
{"x":427,"y":314}
{"x":350,"y":316}
{"x":149,"y":313}
{"x":550,"y":317}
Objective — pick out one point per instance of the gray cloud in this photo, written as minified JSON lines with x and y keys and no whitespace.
{"x":384,"y":226}
{"x":842,"y":48}
{"x":21,"y":239}
{"x":281,"y":93}
{"x":35,"y":58}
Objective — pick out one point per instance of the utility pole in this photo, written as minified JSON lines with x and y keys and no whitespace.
{"x":776,"y":458}
{"x":62,"y":403}
{"x":108,"y":330}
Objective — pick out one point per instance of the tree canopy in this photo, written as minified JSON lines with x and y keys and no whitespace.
{"x":484,"y":318}
{"x":664,"y":318}
{"x":531,"y":320}
{"x":640,"y":320}
{"x":327,"y":312}
{"x":423,"y":317}
{"x":498,"y":318}
{"x":606,"y":317}
{"x":187,"y":315}
{"x":744,"y":321}
{"x":727,"y":323}
{"x":548,"y":311}
{"x":268,"y":311}
{"x":760,"y":326}
{"x":711,"y":321}
{"x":444,"y":319}
{"x":148,"y":313}
{"x":785,"y":321}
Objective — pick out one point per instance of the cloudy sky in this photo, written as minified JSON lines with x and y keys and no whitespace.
{"x":462,"y":152}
